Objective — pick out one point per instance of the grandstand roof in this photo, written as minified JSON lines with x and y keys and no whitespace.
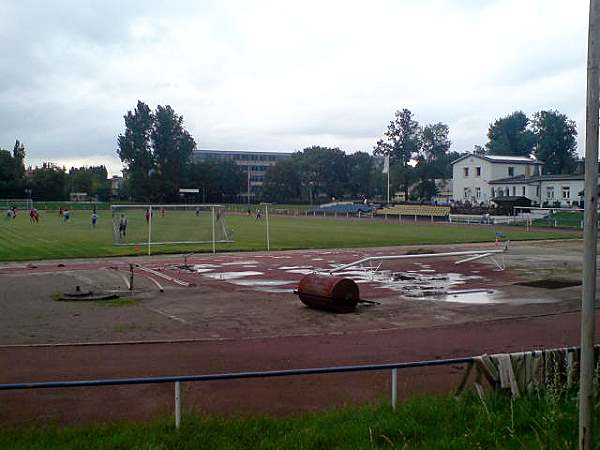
{"x":522,"y":179}
{"x":501,"y":159}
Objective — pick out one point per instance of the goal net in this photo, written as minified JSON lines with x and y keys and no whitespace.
{"x":169,"y":224}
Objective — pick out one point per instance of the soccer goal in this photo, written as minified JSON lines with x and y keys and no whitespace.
{"x":169,"y":224}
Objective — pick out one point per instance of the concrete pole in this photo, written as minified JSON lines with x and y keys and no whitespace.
{"x":589,"y":231}
{"x":267,"y":220}
{"x":149,"y":228}
{"x":214,"y":238}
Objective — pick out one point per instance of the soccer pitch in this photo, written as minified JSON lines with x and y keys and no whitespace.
{"x":52,"y":238}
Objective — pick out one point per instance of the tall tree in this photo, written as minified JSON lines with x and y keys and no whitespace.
{"x":556,"y":141}
{"x":172,"y":148}
{"x":510,"y":136}
{"x":156,"y":149}
{"x":432,"y":161}
{"x":282,"y":182}
{"x":12,"y":172}
{"x":135,"y":151}
{"x":401,"y":143}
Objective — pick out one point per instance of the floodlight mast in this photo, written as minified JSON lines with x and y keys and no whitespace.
{"x":590,"y":233}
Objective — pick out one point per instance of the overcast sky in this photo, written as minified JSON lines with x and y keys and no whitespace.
{"x":281,"y":75}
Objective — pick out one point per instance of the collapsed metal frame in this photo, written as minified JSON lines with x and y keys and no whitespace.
{"x":471,"y":255}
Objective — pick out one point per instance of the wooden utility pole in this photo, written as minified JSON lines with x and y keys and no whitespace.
{"x":590,"y":233}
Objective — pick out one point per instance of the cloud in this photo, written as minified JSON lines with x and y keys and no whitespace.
{"x":282,"y":75}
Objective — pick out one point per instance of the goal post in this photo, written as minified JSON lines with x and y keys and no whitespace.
{"x":149,"y":225}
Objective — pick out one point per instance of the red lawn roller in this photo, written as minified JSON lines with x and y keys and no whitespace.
{"x":329,"y":293}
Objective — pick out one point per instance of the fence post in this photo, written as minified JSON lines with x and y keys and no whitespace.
{"x":394,"y":387}
{"x":177,"y":404}
{"x":432,"y":217}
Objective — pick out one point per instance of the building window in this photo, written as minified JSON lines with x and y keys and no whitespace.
{"x":477,"y":193}
{"x":511,"y":171}
{"x":514,"y":191}
{"x":493,"y":193}
{"x":466,"y":171}
{"x":466,"y":193}
{"x":566,"y":192}
{"x":478,"y":171}
{"x":524,"y":191}
{"x":537,"y":191}
{"x":550,"y":192}
{"x":507,"y":192}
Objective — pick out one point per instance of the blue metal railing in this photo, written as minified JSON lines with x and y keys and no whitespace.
{"x":178,"y":379}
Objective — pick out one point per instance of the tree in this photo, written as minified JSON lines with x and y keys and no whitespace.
{"x":323,"y":170}
{"x":93,"y":180}
{"x":48,"y":182}
{"x":282,"y":182}
{"x":432,"y":161}
{"x":556,"y":143}
{"x":361,"y":168}
{"x":135,"y":151}
{"x":509,"y":136}
{"x":401,"y":143}
{"x":172,"y":148}
{"x":156,"y":149}
{"x":217,"y":181}
{"x":12,"y":172}
{"x":478,"y":150}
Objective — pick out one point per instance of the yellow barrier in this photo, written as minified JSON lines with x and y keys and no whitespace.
{"x":415,"y":210}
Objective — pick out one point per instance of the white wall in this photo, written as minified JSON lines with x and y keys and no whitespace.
{"x":472,"y":181}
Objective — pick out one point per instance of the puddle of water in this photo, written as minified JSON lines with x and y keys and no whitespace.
{"x":240,"y":263}
{"x":249,"y":266}
{"x":231,"y":275}
{"x":318,"y":259}
{"x":427,"y":270}
{"x":473,"y":298}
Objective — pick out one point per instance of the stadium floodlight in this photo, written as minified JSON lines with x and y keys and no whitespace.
{"x":150,"y":225}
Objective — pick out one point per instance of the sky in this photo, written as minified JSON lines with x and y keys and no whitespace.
{"x":281,"y":75}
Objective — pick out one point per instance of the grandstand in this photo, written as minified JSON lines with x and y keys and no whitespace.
{"x":415,"y":210}
{"x":341,"y":208}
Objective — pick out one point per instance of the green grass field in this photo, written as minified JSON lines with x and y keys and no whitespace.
{"x":562,"y":219}
{"x":545,"y":420}
{"x":52,"y":238}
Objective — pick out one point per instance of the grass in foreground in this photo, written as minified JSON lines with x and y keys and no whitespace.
{"x":546,"y":421}
{"x":53,"y":239}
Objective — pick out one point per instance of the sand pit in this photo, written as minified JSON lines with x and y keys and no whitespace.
{"x":238,"y":312}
